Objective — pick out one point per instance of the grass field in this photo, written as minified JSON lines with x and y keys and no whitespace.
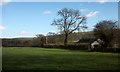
{"x":27,"y":58}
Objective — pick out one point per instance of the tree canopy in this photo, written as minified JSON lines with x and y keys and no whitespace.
{"x":106,"y":30}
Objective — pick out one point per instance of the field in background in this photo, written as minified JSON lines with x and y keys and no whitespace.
{"x":29,"y":58}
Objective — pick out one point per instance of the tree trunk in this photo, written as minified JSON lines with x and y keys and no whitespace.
{"x":65,"y":40}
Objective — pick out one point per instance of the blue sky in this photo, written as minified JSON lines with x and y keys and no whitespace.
{"x":26,"y":19}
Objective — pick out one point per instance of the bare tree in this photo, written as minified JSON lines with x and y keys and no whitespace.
{"x":70,"y":20}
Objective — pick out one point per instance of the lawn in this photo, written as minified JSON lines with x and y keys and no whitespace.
{"x":28,"y":58}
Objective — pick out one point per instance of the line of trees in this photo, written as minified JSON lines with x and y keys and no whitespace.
{"x":40,"y":40}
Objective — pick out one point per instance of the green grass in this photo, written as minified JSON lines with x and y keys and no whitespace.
{"x":27,"y":58}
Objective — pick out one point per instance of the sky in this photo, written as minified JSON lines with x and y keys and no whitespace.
{"x":26,"y":19}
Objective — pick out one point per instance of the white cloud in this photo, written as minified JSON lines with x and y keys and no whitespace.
{"x":91,"y":27}
{"x":1,"y":28}
{"x":24,"y":32}
{"x":4,"y":1}
{"x":83,"y":10}
{"x":102,"y":1}
{"x":92,"y":14}
{"x":47,"y":12}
